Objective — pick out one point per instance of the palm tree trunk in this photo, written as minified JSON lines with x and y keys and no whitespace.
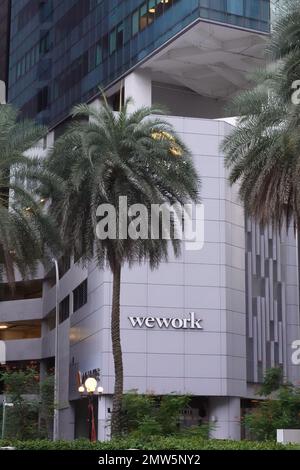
{"x":116,"y":425}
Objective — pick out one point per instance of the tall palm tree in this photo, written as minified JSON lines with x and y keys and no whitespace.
{"x":263,"y":150}
{"x":102,"y":157}
{"x":25,"y":228}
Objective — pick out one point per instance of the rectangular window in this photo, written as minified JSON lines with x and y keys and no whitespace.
{"x":18,"y":73}
{"x":120,"y":36}
{"x":22,"y":291}
{"x":143,"y":16}
{"x":235,"y":7}
{"x":42,"y":99}
{"x":80,"y":296}
{"x":253,"y":9}
{"x":64,"y":309}
{"x":135,"y":23}
{"x":112,"y":41}
{"x":45,"y":43}
{"x":105,"y":46}
{"x":45,"y":10}
{"x":151,"y":11}
{"x":21,"y":330}
{"x":98,"y":54}
{"x":27,"y":62}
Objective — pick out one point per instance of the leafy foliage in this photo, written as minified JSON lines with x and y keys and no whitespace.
{"x":106,"y":155}
{"x":147,"y":415}
{"x":154,"y":443}
{"x":22,"y":418}
{"x":272,"y":381}
{"x":32,"y":411}
{"x":25,"y":228}
{"x":46,"y":408}
{"x":281,"y":410}
{"x":262,"y":152}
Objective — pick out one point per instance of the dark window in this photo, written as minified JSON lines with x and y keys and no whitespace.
{"x":45,"y":43}
{"x":27,"y":12}
{"x":98,"y":58}
{"x":95,"y":3}
{"x":73,"y":17}
{"x":80,"y":296}
{"x":21,"y":291}
{"x":120,"y":36}
{"x":72,"y":74}
{"x":42,"y":99}
{"x":64,"y":309}
{"x":45,"y":10}
{"x":105,"y":46}
{"x":112,"y":41}
{"x":44,"y":69}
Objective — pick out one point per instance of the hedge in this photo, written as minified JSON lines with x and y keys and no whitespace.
{"x":157,"y":443}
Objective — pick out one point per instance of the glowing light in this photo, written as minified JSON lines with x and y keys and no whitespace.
{"x":90,"y":384}
{"x":163,"y":135}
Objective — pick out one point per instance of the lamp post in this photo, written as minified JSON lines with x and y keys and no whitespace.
{"x":90,"y":389}
{"x":56,"y":365}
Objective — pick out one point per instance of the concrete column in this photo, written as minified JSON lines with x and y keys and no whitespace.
{"x":225,"y":417}
{"x":67,"y":423}
{"x":104,"y":416}
{"x":2,"y":92}
{"x":138,"y":86}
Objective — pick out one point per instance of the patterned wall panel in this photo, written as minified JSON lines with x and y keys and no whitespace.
{"x":266,"y":301}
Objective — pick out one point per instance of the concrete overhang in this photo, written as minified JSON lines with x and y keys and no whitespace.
{"x":213,"y":60}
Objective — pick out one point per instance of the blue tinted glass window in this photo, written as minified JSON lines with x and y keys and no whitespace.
{"x":253,"y":8}
{"x":112,"y":41}
{"x":135,"y":22}
{"x":235,"y":7}
{"x":143,"y":16}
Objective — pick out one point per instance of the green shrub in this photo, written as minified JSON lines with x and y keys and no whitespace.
{"x":32,"y":413}
{"x":146,"y":415}
{"x":280,"y":411}
{"x":155,"y":443}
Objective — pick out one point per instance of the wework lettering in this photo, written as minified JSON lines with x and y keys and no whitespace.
{"x":191,"y":323}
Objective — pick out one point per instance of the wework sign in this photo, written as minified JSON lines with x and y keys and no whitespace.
{"x":190,"y":323}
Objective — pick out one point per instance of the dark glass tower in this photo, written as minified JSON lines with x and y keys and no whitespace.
{"x":61,"y":51}
{"x":4,"y":38}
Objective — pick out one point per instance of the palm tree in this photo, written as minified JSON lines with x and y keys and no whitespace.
{"x":102,"y":157}
{"x":262,"y":152}
{"x":25,"y":229}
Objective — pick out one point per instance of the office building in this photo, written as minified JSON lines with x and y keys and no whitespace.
{"x":191,"y":56}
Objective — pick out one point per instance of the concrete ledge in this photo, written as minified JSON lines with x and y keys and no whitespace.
{"x":288,"y":436}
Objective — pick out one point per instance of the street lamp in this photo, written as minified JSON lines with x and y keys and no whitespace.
{"x":90,"y":389}
{"x":56,"y":365}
